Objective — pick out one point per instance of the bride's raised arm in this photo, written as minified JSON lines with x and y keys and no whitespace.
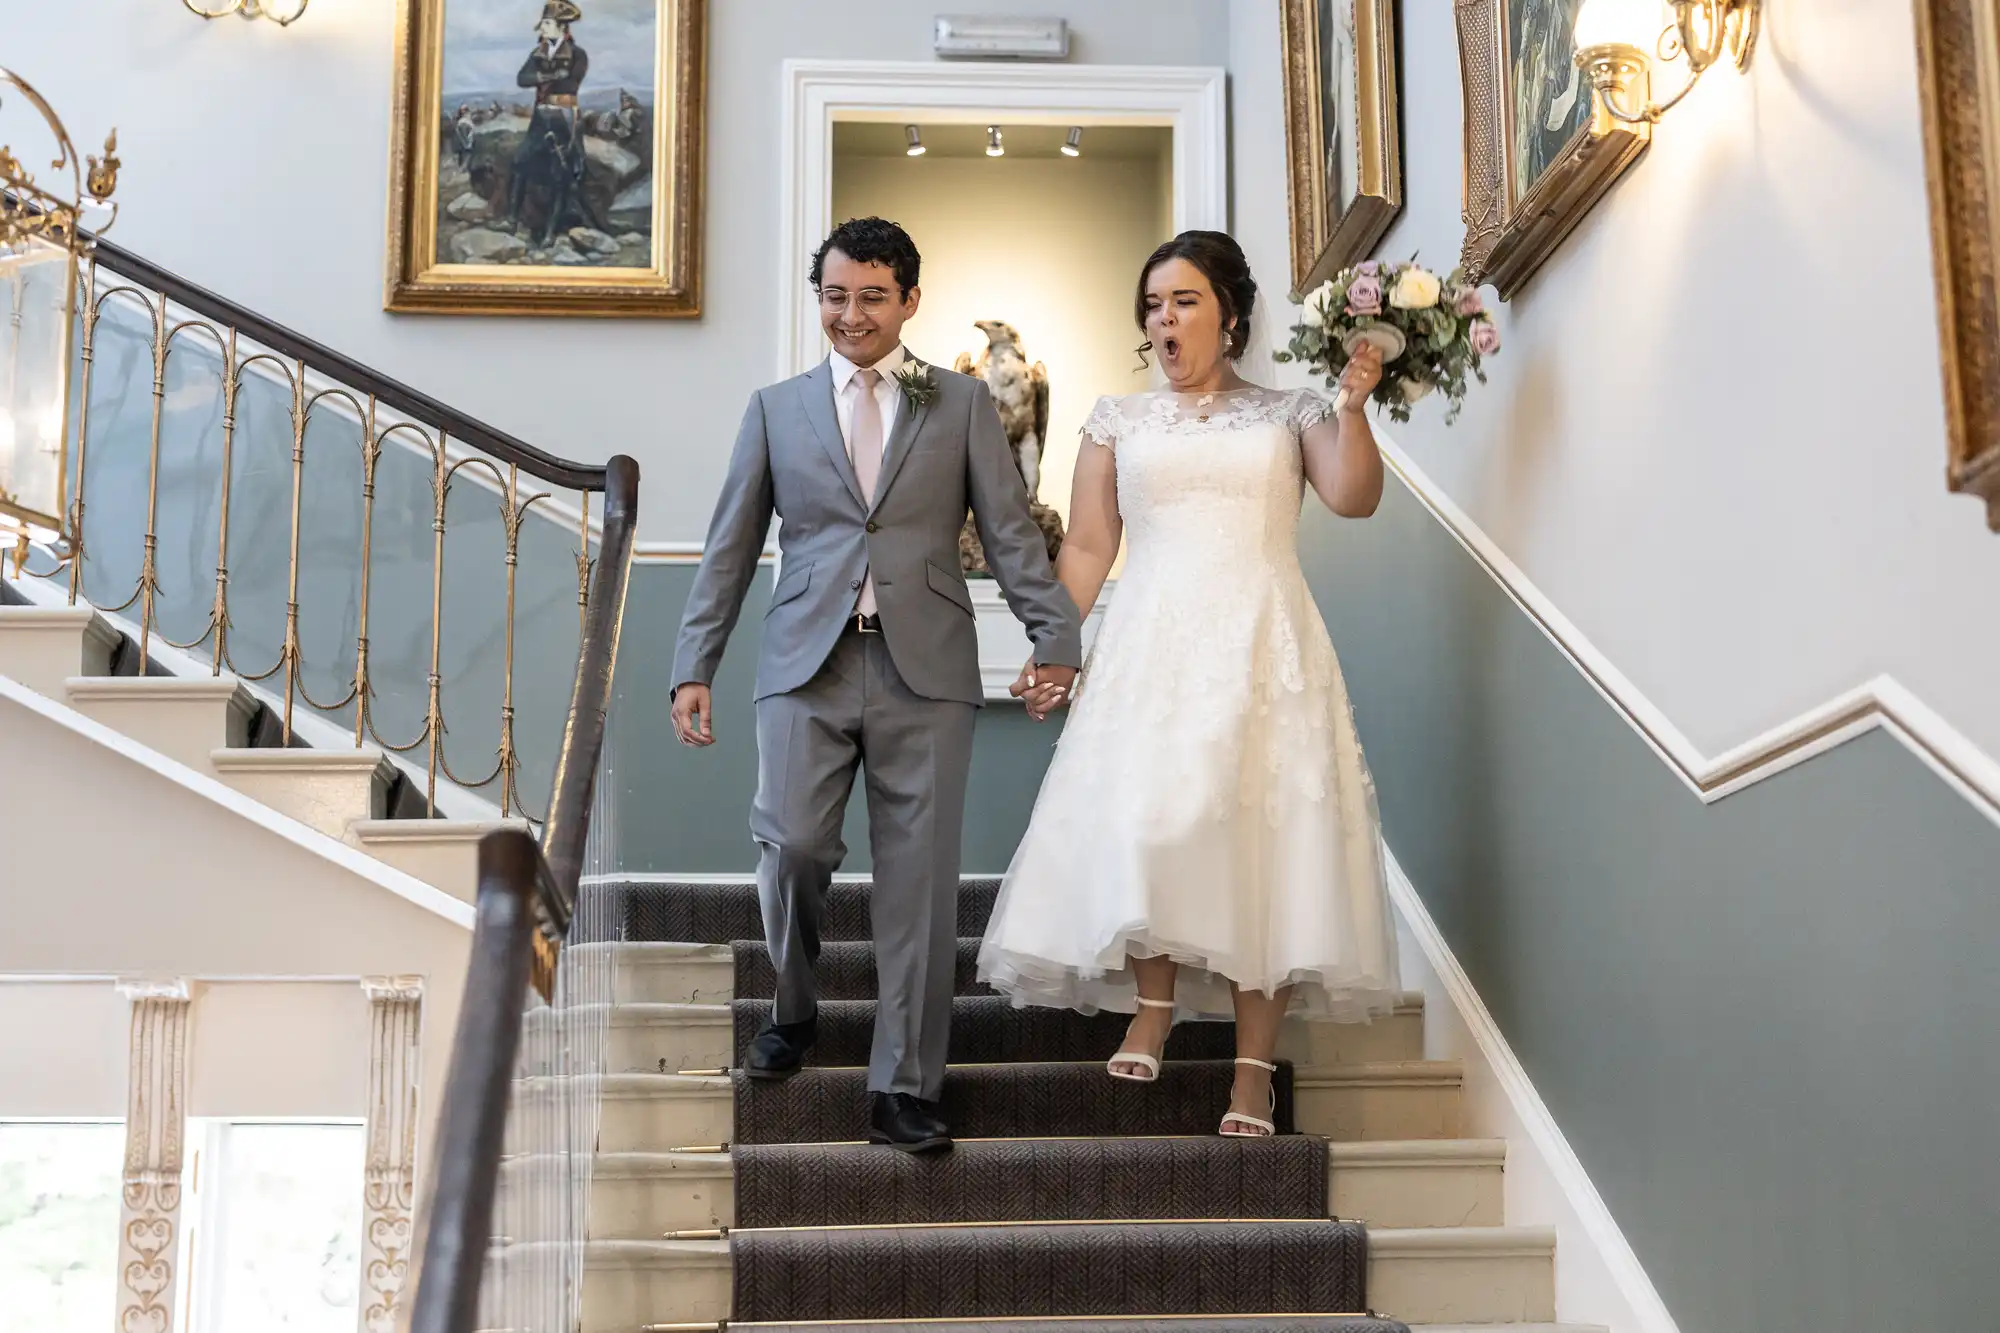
{"x":1341,"y":460}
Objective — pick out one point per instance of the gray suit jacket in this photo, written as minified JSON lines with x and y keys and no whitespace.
{"x":942,"y":458}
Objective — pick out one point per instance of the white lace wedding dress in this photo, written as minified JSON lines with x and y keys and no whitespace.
{"x":1208,"y":800}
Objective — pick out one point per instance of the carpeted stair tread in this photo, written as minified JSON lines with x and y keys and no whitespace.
{"x":1090,"y":1268}
{"x":1165,"y":1323}
{"x":711,"y":913}
{"x":1013,"y":1101}
{"x":990,"y":1030}
{"x":1029,"y":1180}
{"x":846,"y":970}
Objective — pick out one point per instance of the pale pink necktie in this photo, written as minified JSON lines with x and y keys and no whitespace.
{"x":864,"y":447}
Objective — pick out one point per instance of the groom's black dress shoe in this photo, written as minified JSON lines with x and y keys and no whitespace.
{"x":780,"y":1049}
{"x":901,"y":1121}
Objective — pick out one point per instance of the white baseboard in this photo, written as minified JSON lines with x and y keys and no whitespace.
{"x":1599,"y":1280}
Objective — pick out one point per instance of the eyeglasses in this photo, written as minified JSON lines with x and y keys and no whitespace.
{"x":869,"y":299}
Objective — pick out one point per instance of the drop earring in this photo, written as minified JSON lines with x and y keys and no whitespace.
{"x":1228,"y":341}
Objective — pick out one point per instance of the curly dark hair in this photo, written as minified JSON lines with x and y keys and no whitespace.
{"x":1222,"y":262}
{"x":872,"y":241}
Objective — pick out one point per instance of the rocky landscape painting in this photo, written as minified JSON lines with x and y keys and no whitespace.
{"x":548,"y":157}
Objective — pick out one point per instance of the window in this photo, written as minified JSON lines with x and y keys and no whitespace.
{"x":275,"y":1227}
{"x":59,"y":1225}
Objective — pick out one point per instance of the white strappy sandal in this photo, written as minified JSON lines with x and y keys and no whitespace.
{"x":1149,"y":1063}
{"x":1262,"y":1128}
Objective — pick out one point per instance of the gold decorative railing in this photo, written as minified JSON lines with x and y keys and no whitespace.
{"x":271,"y":398}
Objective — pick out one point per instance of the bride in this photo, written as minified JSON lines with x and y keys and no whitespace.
{"x":1206,"y":843}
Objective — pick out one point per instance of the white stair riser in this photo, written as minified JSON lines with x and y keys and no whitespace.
{"x":1467,"y":1288}
{"x":702,"y":1194}
{"x":326,"y":799}
{"x":1342,"y":1113}
{"x":643,"y":980}
{"x":1458,"y":1194}
{"x":43,"y":649}
{"x":1358,"y":1111}
{"x":451,"y":865}
{"x":186,"y":730}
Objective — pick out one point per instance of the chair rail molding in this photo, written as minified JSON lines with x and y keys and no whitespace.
{"x":1880,"y":703}
{"x":1188,"y":99}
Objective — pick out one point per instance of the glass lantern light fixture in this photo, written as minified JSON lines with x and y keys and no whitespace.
{"x":42,"y":244}
{"x":284,"y":13}
{"x":1613,"y":38}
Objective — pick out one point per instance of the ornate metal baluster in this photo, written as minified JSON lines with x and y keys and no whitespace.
{"x":371,"y":453}
{"x":289,"y":654}
{"x":512,"y":513}
{"x":232,"y":382}
{"x":149,"y":568}
{"x":440,"y":488}
{"x":83,"y":432}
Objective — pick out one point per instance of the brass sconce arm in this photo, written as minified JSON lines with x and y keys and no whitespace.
{"x":1703,"y":31}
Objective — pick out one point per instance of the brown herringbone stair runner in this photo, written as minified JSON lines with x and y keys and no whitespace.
{"x":846,"y":969}
{"x":1017,"y":1101}
{"x":1073,"y":1202}
{"x":990,"y":1030}
{"x":1026,"y":1180}
{"x":1088,"y":1268}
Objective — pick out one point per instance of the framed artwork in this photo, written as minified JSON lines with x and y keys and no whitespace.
{"x":1538,"y":152}
{"x":546,"y":157}
{"x":1342,"y":131}
{"x":1959,"y":67}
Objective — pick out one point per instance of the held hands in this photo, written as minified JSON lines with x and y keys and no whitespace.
{"x":1043,"y":688}
{"x":693,"y":714}
{"x":1363,"y":373}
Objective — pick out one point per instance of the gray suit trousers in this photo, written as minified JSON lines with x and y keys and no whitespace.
{"x":916,"y":753}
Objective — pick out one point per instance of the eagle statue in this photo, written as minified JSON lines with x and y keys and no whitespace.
{"x":1021,"y":393}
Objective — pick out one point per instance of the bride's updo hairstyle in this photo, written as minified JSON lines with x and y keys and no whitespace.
{"x":1222,"y":262}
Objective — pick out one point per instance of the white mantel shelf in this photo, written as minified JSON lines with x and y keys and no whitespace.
{"x":1003,"y":643}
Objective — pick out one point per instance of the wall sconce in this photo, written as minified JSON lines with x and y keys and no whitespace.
{"x":916,"y":138}
{"x":1073,"y":146}
{"x":284,"y":13}
{"x":994,"y":148}
{"x":1609,"y":34}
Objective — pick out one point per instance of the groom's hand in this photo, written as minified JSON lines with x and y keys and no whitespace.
{"x":690,"y":702}
{"x":1043,"y":688}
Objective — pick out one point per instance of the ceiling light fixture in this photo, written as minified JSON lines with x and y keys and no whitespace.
{"x":1073,"y":146}
{"x":284,"y":13}
{"x":916,"y":137}
{"x":994,"y":148}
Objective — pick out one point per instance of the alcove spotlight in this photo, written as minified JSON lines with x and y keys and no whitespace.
{"x":1073,"y":146}
{"x":916,"y":138}
{"x":994,"y":148}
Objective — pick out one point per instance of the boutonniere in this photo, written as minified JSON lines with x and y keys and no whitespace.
{"x":914,"y":378}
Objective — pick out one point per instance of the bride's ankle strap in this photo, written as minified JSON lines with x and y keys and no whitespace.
{"x":1261,"y":1064}
{"x":1145,"y":1003}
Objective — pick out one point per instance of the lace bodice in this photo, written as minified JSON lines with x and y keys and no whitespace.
{"x":1209,"y":484}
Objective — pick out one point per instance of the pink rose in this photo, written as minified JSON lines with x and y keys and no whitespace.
{"x":1371,"y":267}
{"x":1364,"y":295}
{"x":1465,"y":301}
{"x":1485,"y":337}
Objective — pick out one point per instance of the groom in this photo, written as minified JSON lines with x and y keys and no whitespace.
{"x":869,"y":655}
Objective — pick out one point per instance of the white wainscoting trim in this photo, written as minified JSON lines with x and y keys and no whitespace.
{"x":1881,"y":703}
{"x":817,"y":93}
{"x":1600,"y":1280}
{"x":407,"y":887}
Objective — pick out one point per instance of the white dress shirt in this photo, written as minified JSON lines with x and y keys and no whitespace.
{"x":888,"y":394}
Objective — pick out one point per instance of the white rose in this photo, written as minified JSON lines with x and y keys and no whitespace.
{"x":1416,"y":390}
{"x":1319,"y":305}
{"x":1416,"y":289}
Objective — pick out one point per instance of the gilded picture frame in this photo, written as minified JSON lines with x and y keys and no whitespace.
{"x":1343,"y":137}
{"x":573,"y":188}
{"x":1958,"y":48}
{"x":1539,"y":152}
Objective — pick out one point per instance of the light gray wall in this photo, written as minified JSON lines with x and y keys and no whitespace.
{"x":1767,"y":1026}
{"x":688,"y":811}
{"x":256,"y":164}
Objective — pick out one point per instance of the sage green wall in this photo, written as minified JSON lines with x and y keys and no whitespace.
{"x":688,"y":811}
{"x":1769,"y":1027}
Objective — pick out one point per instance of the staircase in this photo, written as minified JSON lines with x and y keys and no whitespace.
{"x":1070,"y":1197}
{"x":215,"y":726}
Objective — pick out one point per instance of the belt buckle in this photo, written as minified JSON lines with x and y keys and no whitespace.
{"x":861,"y":624}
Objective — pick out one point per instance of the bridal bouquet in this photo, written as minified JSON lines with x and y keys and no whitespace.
{"x":1432,"y":332}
